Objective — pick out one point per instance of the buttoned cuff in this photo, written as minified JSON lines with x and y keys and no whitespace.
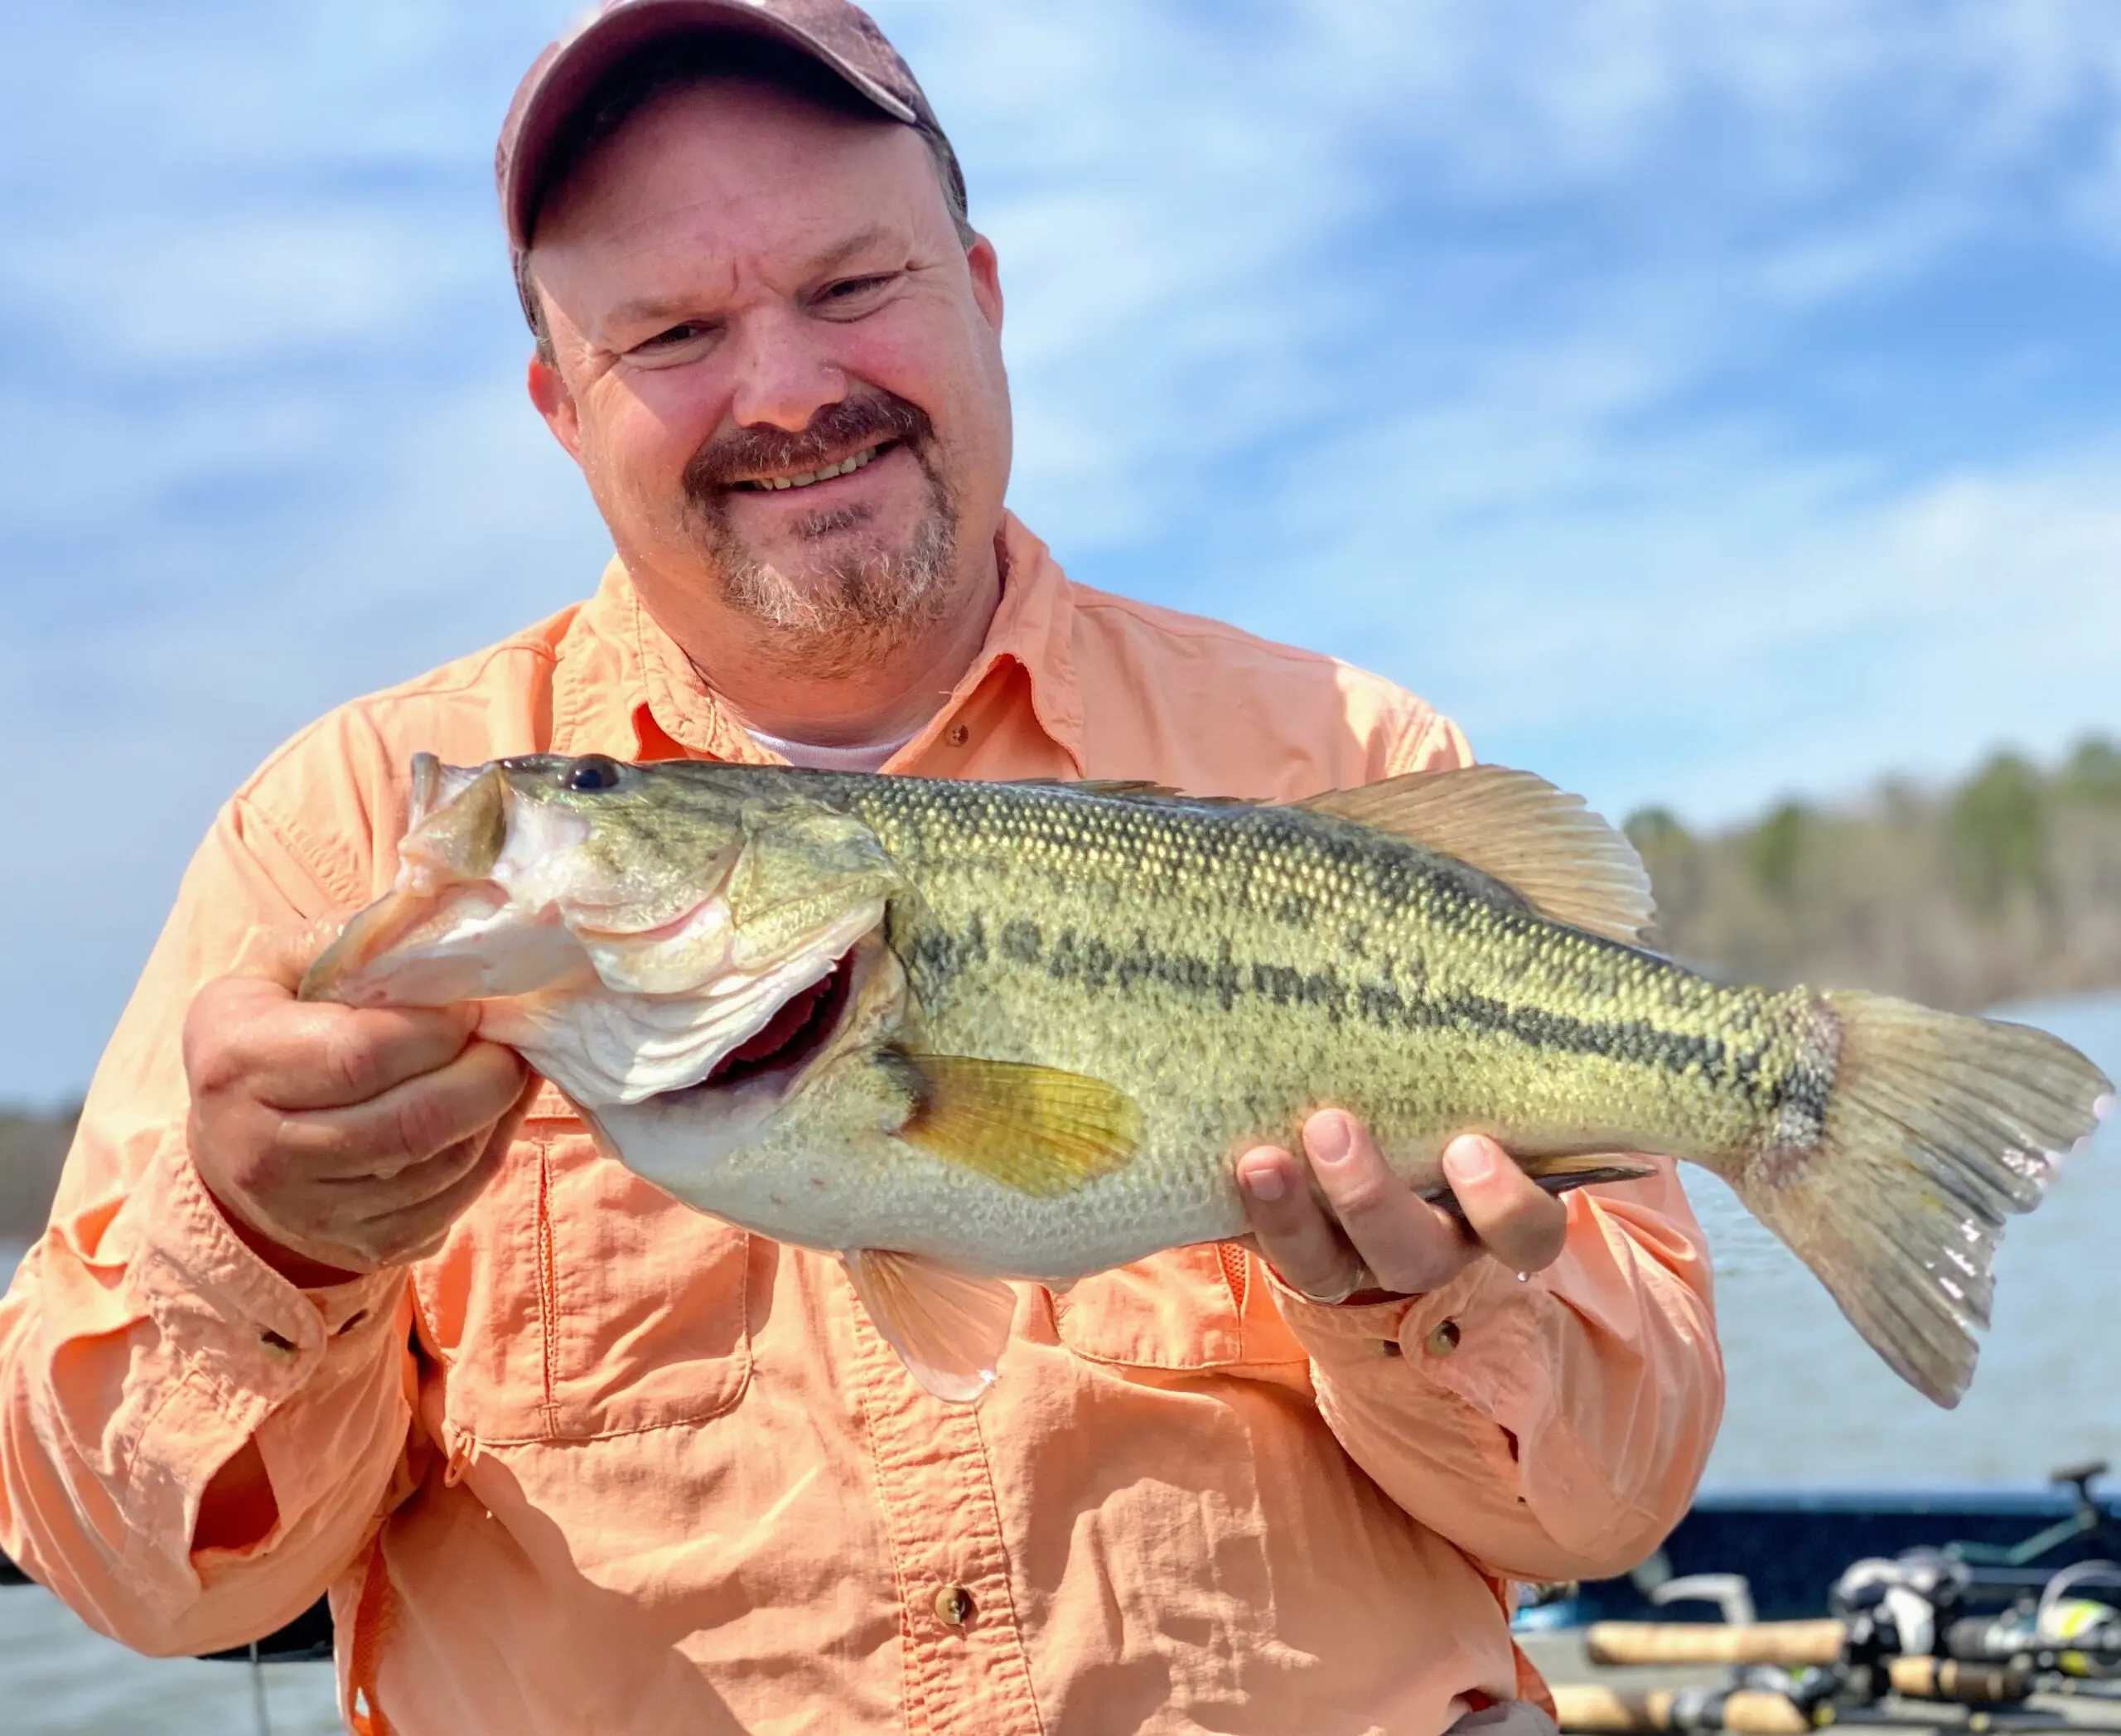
{"x":235,"y":1341}
{"x":246,"y":1331}
{"x":1484,"y":1337}
{"x":1484,"y":1343}
{"x":1427,"y":1329}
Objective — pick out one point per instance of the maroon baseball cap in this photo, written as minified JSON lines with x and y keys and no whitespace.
{"x":837,"y":35}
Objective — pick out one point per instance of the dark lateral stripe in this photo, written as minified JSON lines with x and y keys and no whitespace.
{"x":934,"y":957}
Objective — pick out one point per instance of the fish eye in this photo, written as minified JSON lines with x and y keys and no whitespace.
{"x":592,"y":771}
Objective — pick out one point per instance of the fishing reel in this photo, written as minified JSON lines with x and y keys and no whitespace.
{"x":1914,"y":1607}
{"x":1898,"y":1606}
{"x":2055,"y":1633}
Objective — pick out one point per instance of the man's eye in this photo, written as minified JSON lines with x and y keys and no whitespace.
{"x":853,"y":289}
{"x":673,"y":338}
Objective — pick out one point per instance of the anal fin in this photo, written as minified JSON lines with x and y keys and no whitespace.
{"x":949,"y":1328}
{"x":1562,"y":1174}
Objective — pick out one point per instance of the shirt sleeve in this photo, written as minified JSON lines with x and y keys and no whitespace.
{"x":142,"y":1344}
{"x":1555,"y":1427}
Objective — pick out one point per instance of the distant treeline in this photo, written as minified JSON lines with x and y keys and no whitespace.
{"x":32,"y":1149}
{"x":2005,"y":886}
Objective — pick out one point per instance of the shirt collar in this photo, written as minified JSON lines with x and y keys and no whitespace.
{"x":622,"y":684}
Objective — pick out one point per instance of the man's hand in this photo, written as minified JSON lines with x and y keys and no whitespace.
{"x":1390,"y":1242}
{"x":338,"y":1140}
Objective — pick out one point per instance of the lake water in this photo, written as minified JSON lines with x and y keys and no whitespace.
{"x":1808,"y":1405}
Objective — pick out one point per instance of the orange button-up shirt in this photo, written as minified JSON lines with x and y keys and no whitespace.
{"x":604,"y":1463}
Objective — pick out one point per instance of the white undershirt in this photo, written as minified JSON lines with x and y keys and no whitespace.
{"x":864,"y":757}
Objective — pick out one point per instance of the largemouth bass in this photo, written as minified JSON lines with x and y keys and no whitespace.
{"x":959,"y":1033}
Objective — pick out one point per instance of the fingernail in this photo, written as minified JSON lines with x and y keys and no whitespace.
{"x":1472,"y":1160}
{"x":1328,"y":1137}
{"x":1265,"y":1184}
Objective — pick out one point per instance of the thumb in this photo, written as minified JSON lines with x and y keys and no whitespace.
{"x":281,"y":953}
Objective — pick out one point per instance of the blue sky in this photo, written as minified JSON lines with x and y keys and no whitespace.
{"x":1701,"y":403}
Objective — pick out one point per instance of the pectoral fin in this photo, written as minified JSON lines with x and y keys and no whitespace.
{"x":949,"y":1328}
{"x":1036,"y":1129}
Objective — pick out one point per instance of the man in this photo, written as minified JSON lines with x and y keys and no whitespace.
{"x":338,"y":1298}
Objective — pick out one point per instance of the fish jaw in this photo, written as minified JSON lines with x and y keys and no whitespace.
{"x":414,"y":948}
{"x":467,"y":919}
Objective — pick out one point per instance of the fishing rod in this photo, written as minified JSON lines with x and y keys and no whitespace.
{"x":1968,"y":1636}
{"x":1898,"y":1645}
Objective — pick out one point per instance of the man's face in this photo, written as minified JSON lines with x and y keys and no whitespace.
{"x":780,"y":371}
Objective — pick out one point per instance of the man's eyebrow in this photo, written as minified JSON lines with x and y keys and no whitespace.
{"x":671,"y":309}
{"x":651,"y":309}
{"x":860,"y":242}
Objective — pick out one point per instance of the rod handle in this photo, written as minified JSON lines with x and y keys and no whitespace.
{"x":1757,"y":1713}
{"x":1590,"y":1709}
{"x":1787,"y":1643}
{"x":1953,"y":1679}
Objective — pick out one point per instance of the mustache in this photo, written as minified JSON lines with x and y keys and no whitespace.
{"x":837,"y":429}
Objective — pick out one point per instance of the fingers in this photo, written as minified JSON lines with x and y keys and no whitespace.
{"x":1409,"y":1245}
{"x":420,"y":1230}
{"x":410,"y":1122}
{"x":337,"y":1139}
{"x":1294,"y":1235}
{"x":1515,"y":1219}
{"x":1361,"y":1228}
{"x":249,"y":1033}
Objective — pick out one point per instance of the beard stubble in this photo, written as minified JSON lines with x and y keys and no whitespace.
{"x":846,"y":600}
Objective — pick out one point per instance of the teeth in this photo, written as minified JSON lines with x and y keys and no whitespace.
{"x":848,"y":468}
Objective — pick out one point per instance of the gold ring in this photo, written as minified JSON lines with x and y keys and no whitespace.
{"x":1364,"y":1279}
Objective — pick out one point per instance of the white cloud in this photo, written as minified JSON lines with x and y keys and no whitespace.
{"x":1514,"y":346}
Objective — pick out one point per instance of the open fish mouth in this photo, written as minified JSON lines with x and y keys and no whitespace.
{"x":798,"y":1032}
{"x":806,"y":1036}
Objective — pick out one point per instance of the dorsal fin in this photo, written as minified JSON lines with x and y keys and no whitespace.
{"x":1517,"y":828}
{"x":1130,"y":789}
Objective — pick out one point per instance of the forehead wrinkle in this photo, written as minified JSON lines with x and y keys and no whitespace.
{"x":680,"y":303}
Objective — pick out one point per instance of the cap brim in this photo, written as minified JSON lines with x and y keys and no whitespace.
{"x":552,"y":93}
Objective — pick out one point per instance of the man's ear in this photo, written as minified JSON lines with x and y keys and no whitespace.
{"x":555,"y":403}
{"x":986,"y":269}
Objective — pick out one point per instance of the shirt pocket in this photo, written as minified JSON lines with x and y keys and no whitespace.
{"x":1191,"y":1309}
{"x":579,"y":1301}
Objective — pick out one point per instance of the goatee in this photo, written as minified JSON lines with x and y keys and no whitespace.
{"x":848,"y":600}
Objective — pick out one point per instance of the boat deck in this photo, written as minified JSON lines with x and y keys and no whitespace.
{"x":1559,"y":1656}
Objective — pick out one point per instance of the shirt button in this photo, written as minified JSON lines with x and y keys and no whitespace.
{"x":960,"y":735}
{"x":1443,"y":1339}
{"x":954,"y":1606}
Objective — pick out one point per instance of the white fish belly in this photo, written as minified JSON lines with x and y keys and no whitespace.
{"x":865,"y":1189}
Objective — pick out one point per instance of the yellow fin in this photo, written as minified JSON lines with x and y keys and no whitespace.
{"x":1034,"y":1129}
{"x":949,"y":1328}
{"x":1541,"y":843}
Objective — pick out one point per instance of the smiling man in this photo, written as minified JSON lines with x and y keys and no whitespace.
{"x":339,"y":1298}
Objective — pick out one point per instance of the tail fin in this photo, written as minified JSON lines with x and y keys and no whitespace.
{"x":1936,"y":1128}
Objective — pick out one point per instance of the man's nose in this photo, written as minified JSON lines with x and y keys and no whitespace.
{"x":785,"y":374}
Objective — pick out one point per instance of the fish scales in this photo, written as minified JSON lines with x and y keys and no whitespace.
{"x":959,"y":1032}
{"x":1324,"y":947}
